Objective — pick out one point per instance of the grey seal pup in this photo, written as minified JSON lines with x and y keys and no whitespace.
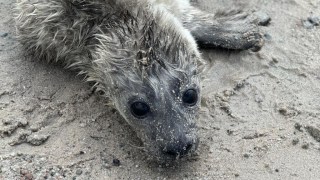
{"x":142,"y":53}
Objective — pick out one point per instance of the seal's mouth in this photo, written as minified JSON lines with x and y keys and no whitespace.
{"x":174,"y":156}
{"x":178,"y":152}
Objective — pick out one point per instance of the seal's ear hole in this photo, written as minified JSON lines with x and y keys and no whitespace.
{"x":140,"y":109}
{"x":190,"y":97}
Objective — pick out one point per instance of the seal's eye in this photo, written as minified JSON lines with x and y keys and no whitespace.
{"x":190,"y":97}
{"x":140,"y":109}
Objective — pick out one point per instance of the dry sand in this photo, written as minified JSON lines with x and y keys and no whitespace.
{"x":259,"y":119}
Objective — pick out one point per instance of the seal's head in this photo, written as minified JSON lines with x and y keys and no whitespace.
{"x":162,"y":105}
{"x":152,"y":77}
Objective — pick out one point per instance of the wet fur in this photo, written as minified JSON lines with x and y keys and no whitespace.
{"x":131,"y":50}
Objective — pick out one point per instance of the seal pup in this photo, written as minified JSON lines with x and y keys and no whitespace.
{"x":142,"y":53}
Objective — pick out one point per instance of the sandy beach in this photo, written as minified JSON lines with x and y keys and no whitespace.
{"x":260,"y":114}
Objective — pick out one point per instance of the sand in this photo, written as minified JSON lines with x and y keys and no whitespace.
{"x":259,"y":117}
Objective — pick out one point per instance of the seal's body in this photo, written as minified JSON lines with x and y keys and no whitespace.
{"x":142,"y":53}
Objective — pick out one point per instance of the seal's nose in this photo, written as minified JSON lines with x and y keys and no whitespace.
{"x":178,"y":148}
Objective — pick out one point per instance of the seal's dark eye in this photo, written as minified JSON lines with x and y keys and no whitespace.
{"x":139,"y":109}
{"x":190,"y":97}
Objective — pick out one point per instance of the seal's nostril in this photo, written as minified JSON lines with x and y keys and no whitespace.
{"x":178,"y":149}
{"x":188,"y":147}
{"x":171,"y":153}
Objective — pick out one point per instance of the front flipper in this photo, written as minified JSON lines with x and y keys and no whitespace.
{"x":230,"y":30}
